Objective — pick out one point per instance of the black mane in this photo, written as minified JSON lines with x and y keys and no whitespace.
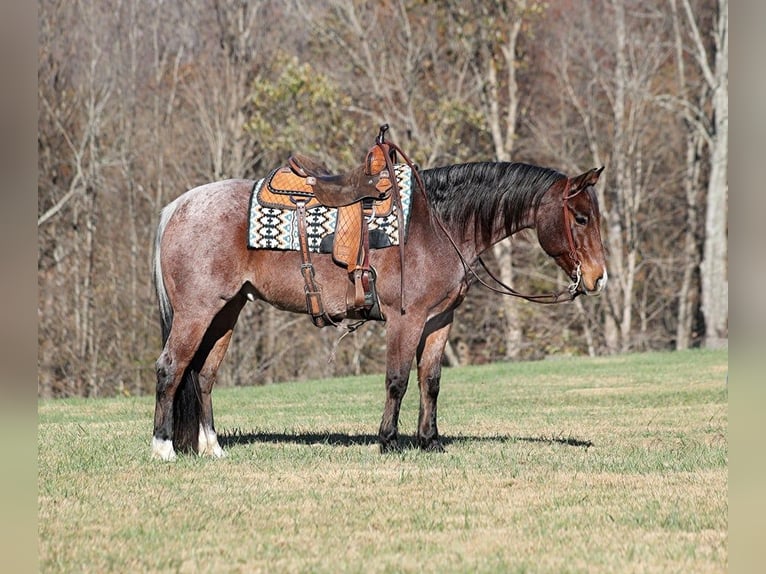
{"x":478,"y":191}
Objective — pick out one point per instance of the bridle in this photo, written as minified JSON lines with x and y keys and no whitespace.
{"x":566,"y":196}
{"x":568,"y":294}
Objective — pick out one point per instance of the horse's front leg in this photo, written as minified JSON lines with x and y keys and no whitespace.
{"x":429,"y":356}
{"x":401,"y":340}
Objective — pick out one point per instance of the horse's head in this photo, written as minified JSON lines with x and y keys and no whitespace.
{"x":568,"y":226}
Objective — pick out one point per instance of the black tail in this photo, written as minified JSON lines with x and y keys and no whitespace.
{"x":187,"y":413}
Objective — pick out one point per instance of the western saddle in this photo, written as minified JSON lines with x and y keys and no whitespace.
{"x":367,"y":191}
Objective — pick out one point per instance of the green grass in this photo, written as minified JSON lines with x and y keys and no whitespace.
{"x":574,"y":465}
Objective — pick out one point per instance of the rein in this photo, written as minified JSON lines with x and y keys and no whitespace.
{"x":566,"y":295}
{"x":390,"y":150}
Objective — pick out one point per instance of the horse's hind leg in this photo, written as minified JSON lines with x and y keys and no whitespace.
{"x":172,"y":366}
{"x":214,"y":346}
{"x":208,"y":439}
{"x":429,"y":357}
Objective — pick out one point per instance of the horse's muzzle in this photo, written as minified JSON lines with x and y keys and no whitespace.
{"x":598,"y":287}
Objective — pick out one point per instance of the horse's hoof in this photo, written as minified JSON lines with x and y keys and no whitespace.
{"x":163,"y":449}
{"x":432,"y":445}
{"x":207,"y":444}
{"x":387,"y":446}
{"x":214,"y":451}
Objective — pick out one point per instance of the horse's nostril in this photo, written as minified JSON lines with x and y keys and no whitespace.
{"x":601,"y":283}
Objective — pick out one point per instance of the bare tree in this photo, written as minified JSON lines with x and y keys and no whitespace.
{"x":607,"y":82}
{"x":691,"y":184}
{"x":399,"y":63}
{"x":701,"y":101}
{"x":493,"y":40}
{"x":87,"y":160}
{"x":714,"y":266}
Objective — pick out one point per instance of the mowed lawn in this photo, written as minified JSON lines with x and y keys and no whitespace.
{"x":614,"y":464}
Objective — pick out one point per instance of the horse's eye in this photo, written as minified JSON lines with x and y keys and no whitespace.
{"x":581,"y":219}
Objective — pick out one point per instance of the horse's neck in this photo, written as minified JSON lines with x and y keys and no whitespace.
{"x":471,"y":230}
{"x":473,"y":241}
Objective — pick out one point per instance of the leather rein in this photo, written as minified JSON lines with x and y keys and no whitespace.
{"x":390,"y":150}
{"x":566,"y":295}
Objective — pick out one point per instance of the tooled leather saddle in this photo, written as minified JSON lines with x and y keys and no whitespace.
{"x":369,"y":190}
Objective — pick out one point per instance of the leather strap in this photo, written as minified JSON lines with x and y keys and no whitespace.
{"x":360,"y":297}
{"x":313,"y":293}
{"x":566,"y":196}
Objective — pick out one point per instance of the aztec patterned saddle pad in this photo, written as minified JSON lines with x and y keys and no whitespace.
{"x":271,"y":228}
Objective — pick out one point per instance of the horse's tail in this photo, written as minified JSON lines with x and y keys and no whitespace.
{"x":166,"y":309}
{"x":187,"y":408}
{"x":187,"y":412}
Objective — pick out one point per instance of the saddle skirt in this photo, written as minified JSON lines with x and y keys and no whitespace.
{"x":282,"y":184}
{"x":273,"y":220}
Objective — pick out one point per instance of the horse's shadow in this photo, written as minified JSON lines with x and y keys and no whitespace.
{"x":229,"y":438}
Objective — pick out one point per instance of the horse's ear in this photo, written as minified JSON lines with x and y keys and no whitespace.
{"x":583,"y":180}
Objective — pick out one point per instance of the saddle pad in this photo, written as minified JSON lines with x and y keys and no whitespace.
{"x":272,"y":228}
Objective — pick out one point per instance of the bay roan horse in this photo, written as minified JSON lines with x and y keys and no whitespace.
{"x":205,"y":273}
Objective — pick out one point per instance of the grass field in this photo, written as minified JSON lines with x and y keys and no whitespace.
{"x":614,"y":464}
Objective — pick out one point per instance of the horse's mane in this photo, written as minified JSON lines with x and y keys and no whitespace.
{"x":477,"y":192}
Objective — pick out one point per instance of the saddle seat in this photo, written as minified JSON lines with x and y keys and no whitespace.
{"x":308,"y":179}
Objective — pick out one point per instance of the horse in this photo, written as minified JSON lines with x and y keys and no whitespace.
{"x":204,"y":274}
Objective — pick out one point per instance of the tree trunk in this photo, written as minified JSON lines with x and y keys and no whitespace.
{"x":714,"y":268}
{"x":690,"y":261}
{"x":691,"y":182}
{"x":503,"y":129}
{"x":620,"y":254}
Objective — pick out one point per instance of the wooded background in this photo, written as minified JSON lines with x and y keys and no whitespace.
{"x":141,"y":100}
